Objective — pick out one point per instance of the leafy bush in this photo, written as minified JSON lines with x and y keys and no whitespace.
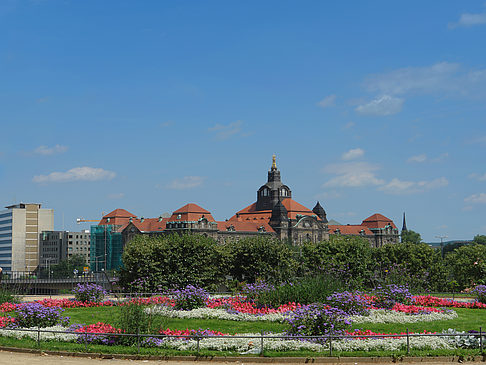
{"x":7,"y":296}
{"x":467,"y":265}
{"x":353,"y":304}
{"x":261,"y":257}
{"x":386,"y":296}
{"x":173,"y":260}
{"x":416,"y":265}
{"x":36,"y":315}
{"x":345,"y":258}
{"x":189,"y":298}
{"x":317,"y":319}
{"x":89,"y":293}
{"x":305,"y":291}
{"x":480,"y":291}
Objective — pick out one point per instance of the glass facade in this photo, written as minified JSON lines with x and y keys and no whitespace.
{"x":6,"y":240}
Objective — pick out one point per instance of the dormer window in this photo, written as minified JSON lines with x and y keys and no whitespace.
{"x":179,"y":216}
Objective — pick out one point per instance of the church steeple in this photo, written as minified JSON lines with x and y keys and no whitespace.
{"x":404,"y":226}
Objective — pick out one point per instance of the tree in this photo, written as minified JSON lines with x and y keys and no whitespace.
{"x":346,"y":258}
{"x":411,"y":237}
{"x":480,"y":239}
{"x":416,"y":265}
{"x":65,"y":268}
{"x":467,"y":265}
{"x":261,"y":257}
{"x":172,"y":261}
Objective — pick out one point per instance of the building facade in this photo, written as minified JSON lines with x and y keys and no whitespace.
{"x":274,"y":214}
{"x":20,"y":227}
{"x":55,"y":246}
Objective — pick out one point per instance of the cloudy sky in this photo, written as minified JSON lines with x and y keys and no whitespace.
{"x":369,"y":106}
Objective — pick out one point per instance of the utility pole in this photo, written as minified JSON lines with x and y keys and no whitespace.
{"x":441,"y":244}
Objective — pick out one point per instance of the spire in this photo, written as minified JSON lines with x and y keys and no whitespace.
{"x":404,"y":226}
{"x":274,"y":162}
{"x":320,"y":212}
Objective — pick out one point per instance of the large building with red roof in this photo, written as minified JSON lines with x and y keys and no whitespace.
{"x":274,"y":213}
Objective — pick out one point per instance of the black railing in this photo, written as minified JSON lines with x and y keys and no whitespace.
{"x":86,"y":338}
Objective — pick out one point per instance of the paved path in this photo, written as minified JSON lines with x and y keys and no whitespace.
{"x":18,"y":358}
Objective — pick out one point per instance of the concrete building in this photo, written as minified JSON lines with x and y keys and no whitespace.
{"x":20,"y":227}
{"x":55,"y":246}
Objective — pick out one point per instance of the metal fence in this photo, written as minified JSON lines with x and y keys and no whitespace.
{"x":85,"y":337}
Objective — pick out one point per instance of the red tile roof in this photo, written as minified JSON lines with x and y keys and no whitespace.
{"x":378,"y":221}
{"x":117,"y":217}
{"x":251,"y":214}
{"x":354,"y":229}
{"x":148,"y":224}
{"x":190,"y":212}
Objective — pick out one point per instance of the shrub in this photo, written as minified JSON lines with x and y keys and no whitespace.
{"x":89,"y":293}
{"x":173,"y":261}
{"x":354,"y":304}
{"x":189,"y":298}
{"x":386,"y":296}
{"x":36,"y":315}
{"x":480,"y":291}
{"x":304,"y":291}
{"x":317,"y":319}
{"x":7,"y":296}
{"x":256,"y":290}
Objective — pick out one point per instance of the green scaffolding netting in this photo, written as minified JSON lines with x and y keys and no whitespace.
{"x":106,"y":248}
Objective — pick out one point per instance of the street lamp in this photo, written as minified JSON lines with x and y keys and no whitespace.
{"x":441,"y":244}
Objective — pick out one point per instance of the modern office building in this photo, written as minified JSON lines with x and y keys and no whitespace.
{"x":20,"y":227}
{"x":55,"y":246}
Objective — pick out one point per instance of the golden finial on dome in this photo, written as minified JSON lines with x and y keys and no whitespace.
{"x":274,"y":162}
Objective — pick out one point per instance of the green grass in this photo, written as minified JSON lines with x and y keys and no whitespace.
{"x":110,"y":314}
{"x":468,"y":319}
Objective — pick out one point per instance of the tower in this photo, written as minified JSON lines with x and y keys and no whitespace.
{"x":273,"y":191}
{"x":404,"y":226}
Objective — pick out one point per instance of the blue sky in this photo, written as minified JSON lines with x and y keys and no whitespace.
{"x":370,"y":107}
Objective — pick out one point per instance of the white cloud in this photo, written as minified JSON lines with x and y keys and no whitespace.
{"x":352,"y":174}
{"x":381,"y":106}
{"x":349,"y":125}
{"x":116,"y":196}
{"x":76,"y":174}
{"x":46,"y":151}
{"x":397,"y":186}
{"x":478,"y":177}
{"x":476,"y":198}
{"x":437,"y":79}
{"x":226,"y":131}
{"x":469,"y":20}
{"x":166,"y":124}
{"x":352,"y":154}
{"x":480,"y":140}
{"x":328,"y":101}
{"x":418,"y":158}
{"x":423,"y":158}
{"x":187,"y":182}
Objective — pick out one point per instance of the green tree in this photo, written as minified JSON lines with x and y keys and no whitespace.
{"x":417,"y":265}
{"x":467,"y":265}
{"x":411,"y":237}
{"x":348,"y":258}
{"x":65,"y":268}
{"x":172,"y":261}
{"x":261,"y":257}
{"x":480,"y":239}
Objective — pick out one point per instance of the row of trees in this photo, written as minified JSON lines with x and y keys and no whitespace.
{"x":177,"y":260}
